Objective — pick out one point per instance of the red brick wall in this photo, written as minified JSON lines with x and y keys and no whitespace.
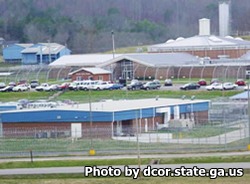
{"x":87,"y":75}
{"x":213,"y":54}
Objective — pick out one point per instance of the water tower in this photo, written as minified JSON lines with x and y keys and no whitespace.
{"x":224,"y":18}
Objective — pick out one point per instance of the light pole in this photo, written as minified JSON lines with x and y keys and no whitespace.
{"x":248,"y":104}
{"x":113,"y":43}
{"x":49,"y":50}
{"x":91,"y":150}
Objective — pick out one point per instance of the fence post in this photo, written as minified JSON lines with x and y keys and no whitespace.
{"x":31,"y":156}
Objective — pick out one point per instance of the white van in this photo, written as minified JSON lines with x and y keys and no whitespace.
{"x":75,"y":85}
{"x":86,"y":84}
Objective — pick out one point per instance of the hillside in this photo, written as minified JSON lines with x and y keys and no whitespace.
{"x":85,"y":25}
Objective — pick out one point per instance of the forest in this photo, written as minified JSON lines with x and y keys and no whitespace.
{"x":85,"y":26}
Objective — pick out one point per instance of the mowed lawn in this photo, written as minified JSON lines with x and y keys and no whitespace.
{"x":122,"y":180}
{"x":84,"y":96}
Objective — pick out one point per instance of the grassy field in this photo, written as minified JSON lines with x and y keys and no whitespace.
{"x":83,"y":96}
{"x":122,"y":180}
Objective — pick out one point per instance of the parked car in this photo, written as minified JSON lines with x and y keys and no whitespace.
{"x":202,"y":82}
{"x":213,"y":86}
{"x":74,"y":85}
{"x":190,"y":86}
{"x":115,"y":86}
{"x":158,"y":83}
{"x":150,"y":85}
{"x":226,"y":86}
{"x":21,"y":87}
{"x":135,"y":85}
{"x":12,"y":83}
{"x":64,"y":86}
{"x":240,"y":82}
{"x":53,"y":87}
{"x":2,"y":85}
{"x":7,"y":89}
{"x":168,"y":82}
{"x":229,"y":86}
{"x":34,"y":83}
{"x":222,"y":86}
{"x":86,"y":85}
{"x":42,"y":86}
{"x":22,"y":82}
{"x":101,"y":85}
{"x":214,"y":80}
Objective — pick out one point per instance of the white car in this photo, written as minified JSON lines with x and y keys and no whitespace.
{"x":102,"y":85}
{"x":21,"y":87}
{"x":213,"y":86}
{"x":53,"y":87}
{"x":42,"y":86}
{"x":228,"y":86}
{"x":222,"y":86}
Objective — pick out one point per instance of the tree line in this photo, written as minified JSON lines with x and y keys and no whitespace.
{"x":85,"y":25}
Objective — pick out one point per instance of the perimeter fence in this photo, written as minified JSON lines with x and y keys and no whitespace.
{"x":215,"y":135}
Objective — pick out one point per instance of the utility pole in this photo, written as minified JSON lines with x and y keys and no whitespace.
{"x":113,"y":43}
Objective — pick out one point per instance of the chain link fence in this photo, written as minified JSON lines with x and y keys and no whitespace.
{"x":44,"y":73}
{"x":220,"y":135}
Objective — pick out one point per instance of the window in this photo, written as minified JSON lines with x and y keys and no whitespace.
{"x":78,"y":78}
{"x":100,"y":77}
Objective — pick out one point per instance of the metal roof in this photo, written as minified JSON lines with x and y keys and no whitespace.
{"x":94,"y":71}
{"x":157,"y":59}
{"x":87,"y":60}
{"x":105,"y":111}
{"x":241,"y":96}
{"x":201,"y":42}
{"x":45,"y":48}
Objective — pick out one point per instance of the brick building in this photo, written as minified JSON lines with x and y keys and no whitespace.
{"x":118,"y":117}
{"x":90,"y":73}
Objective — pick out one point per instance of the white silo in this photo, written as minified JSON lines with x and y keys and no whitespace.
{"x":204,"y":27}
{"x":224,"y":18}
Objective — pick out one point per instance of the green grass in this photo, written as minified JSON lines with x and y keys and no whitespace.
{"x":63,"y":146}
{"x":199,"y":132}
{"x":83,"y":96}
{"x":79,"y":179}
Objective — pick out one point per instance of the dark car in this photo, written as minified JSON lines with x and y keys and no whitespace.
{"x":7,"y":89}
{"x":240,"y":82}
{"x":202,"y":82}
{"x":134,"y":85}
{"x":168,"y":82}
{"x":34,"y":84}
{"x":115,"y":86}
{"x":190,"y":86}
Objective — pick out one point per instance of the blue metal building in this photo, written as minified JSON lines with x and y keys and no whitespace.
{"x":111,"y":114}
{"x":43,"y":53}
{"x":12,"y":53}
{"x":34,"y":53}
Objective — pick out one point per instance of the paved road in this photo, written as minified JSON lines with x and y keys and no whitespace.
{"x":245,"y":165}
{"x":128,"y":156}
